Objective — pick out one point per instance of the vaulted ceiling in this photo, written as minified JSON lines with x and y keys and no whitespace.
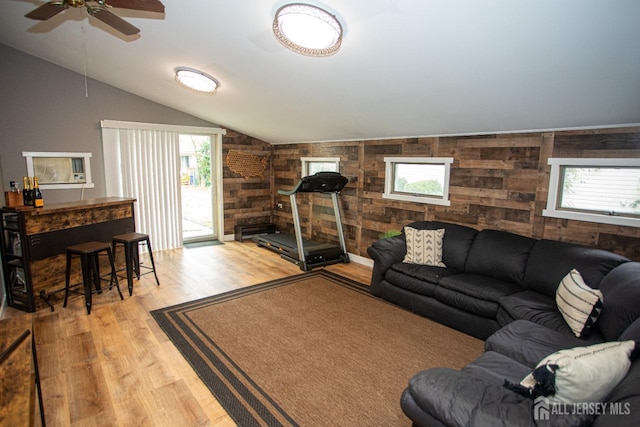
{"x":405,"y":68}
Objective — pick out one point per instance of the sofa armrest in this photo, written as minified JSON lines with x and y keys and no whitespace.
{"x":458,"y":398}
{"x":385,"y":253}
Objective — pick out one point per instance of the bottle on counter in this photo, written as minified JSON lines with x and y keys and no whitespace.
{"x":13,"y":197}
{"x":26,"y":192}
{"x":38,"y":201}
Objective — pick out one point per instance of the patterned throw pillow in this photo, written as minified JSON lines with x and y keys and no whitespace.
{"x":579,"y":374}
{"x":579,"y":304}
{"x":424,"y":246}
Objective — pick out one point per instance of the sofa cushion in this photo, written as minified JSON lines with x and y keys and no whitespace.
{"x":424,"y":246}
{"x":474,"y":293}
{"x":495,"y":367}
{"x":549,"y":261}
{"x":534,"y":307}
{"x":499,"y":254}
{"x":456,"y":243}
{"x":621,"y":290}
{"x":581,"y":374}
{"x":579,"y":305}
{"x":428,"y":273}
{"x":467,"y":303}
{"x":528,"y":342}
{"x":411,"y":284}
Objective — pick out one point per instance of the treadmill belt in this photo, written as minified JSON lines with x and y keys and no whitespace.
{"x":286,"y":243}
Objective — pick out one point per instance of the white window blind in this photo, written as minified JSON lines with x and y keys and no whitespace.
{"x":612,"y":191}
{"x":597,"y":190}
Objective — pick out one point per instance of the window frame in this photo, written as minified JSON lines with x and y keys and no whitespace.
{"x":306,"y":161}
{"x":389,"y":192}
{"x":29,"y":155}
{"x":555,"y":191}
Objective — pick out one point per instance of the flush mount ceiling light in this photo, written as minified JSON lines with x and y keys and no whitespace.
{"x":307,"y":29}
{"x":196,"y":80}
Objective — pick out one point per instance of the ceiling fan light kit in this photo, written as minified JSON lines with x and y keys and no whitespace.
{"x":307,"y":29}
{"x":196,"y":80}
{"x":300,"y":27}
{"x":99,"y":9}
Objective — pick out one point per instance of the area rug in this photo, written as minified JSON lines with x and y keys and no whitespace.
{"x":315,"y":349}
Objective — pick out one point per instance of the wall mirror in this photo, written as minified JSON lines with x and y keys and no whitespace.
{"x":59,"y":170}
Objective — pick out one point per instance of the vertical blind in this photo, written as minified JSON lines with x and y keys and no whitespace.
{"x":144,"y":164}
{"x":142,"y":160}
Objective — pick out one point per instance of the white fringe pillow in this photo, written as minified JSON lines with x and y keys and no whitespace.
{"x":581,"y":374}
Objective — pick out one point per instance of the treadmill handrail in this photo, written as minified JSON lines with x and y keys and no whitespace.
{"x":320,"y":182}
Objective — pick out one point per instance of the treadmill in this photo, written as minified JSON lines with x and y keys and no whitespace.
{"x":306,"y":253}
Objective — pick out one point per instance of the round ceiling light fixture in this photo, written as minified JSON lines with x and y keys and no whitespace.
{"x":307,"y":29}
{"x":196,"y":80}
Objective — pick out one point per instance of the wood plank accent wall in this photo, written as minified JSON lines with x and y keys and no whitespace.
{"x":246,"y":201}
{"x":497,"y":181}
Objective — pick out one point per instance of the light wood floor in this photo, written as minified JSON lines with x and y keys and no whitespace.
{"x":115,"y":367}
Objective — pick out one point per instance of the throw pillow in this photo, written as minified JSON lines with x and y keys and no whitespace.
{"x":579,"y":304}
{"x":424,"y":246}
{"x":581,"y":374}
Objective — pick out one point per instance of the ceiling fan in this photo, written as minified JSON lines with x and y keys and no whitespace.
{"x":99,"y":9}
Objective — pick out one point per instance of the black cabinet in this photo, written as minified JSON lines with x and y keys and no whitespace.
{"x":15,"y":265}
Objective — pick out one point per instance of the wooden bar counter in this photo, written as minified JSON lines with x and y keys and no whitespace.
{"x":34,"y":243}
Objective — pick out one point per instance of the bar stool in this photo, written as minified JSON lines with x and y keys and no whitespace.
{"x":89,"y":253}
{"x":130,"y":241}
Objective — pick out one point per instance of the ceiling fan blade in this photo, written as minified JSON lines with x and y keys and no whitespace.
{"x":112,"y":20}
{"x":47,"y":10}
{"x":144,"y":5}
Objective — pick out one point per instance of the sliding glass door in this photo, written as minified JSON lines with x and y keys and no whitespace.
{"x":196,"y":189}
{"x":173,"y":186}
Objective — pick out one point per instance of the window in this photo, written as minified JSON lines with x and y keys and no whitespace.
{"x":59,"y":170}
{"x":313,"y":165}
{"x":184,"y":162}
{"x":597,"y":190}
{"x":418,"y":179}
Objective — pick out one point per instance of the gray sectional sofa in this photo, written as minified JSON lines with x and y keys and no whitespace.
{"x":501,"y":287}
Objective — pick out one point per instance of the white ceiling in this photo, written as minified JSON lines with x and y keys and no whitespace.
{"x":405,"y":68}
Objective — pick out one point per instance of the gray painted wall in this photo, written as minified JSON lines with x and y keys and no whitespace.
{"x":44,"y":107}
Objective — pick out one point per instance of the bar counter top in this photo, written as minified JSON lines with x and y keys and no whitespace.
{"x":71,"y":206}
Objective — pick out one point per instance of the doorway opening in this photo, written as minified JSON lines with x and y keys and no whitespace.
{"x":197,"y":188}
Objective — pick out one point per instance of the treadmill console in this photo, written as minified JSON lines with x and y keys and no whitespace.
{"x":321,"y":182}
